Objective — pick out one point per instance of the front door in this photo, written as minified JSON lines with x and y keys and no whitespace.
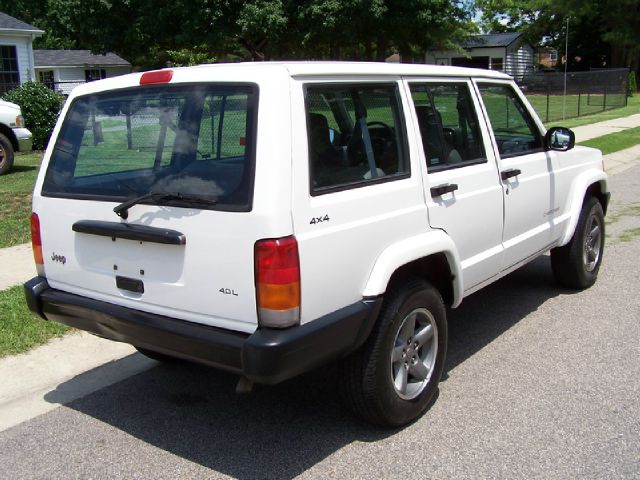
{"x":527,"y":174}
{"x":463,"y":191}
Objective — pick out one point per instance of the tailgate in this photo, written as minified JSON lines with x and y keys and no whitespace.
{"x":206,"y":276}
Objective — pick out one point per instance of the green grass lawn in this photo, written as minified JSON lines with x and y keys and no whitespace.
{"x":15,"y":199}
{"x":20,"y":330}
{"x":614,"y":142}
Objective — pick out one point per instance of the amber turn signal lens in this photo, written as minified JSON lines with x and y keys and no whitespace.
{"x":36,"y":240}
{"x":278,"y":282}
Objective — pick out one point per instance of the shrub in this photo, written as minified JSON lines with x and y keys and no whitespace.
{"x":632,"y":86}
{"x":40,"y":108}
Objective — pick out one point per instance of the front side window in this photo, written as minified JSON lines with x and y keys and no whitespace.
{"x":448,"y":125}
{"x":195,"y":140}
{"x":514,"y":129}
{"x":355,"y":135}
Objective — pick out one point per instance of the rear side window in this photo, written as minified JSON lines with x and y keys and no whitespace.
{"x":356,"y":136}
{"x":448,"y":125}
{"x":191,"y":140}
{"x":514,"y":129}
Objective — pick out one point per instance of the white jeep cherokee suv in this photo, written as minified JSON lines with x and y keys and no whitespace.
{"x":267,"y":218}
{"x":14,"y":137}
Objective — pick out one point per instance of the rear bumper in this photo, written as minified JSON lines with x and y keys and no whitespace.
{"x":267,"y":356}
{"x":24,"y":138}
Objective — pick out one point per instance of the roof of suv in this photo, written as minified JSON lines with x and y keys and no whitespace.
{"x":248,"y":70}
{"x":309,"y":68}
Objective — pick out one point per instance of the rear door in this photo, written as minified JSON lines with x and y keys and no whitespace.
{"x":463,"y":192}
{"x":186,"y":251}
{"x":357,"y":185}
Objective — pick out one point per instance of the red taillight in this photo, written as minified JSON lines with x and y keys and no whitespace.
{"x":278,"y":282}
{"x":157,"y":76}
{"x":36,"y":243}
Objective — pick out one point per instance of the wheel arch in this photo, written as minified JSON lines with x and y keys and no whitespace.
{"x":432,"y":256}
{"x":584,"y":186}
{"x":7,"y":132}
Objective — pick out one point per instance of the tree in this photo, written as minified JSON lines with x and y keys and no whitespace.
{"x":601,"y":32}
{"x":36,"y":13}
{"x":149,"y":34}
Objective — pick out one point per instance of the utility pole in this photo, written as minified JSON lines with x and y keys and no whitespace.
{"x":566,"y":63}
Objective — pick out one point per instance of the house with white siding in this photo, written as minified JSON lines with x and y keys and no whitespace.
{"x":506,"y":52}
{"x":62,"y":70}
{"x":16,"y":52}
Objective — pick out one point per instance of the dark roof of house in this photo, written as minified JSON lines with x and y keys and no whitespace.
{"x":7,"y":22}
{"x":490,"y":40}
{"x":70,"y":58}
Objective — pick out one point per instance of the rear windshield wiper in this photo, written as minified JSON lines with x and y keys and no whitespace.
{"x":160,"y":198}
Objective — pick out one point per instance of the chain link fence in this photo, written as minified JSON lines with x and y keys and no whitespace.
{"x":586,"y":92}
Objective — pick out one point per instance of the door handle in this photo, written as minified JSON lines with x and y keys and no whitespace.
{"x":442,"y":189}
{"x":506,"y":174}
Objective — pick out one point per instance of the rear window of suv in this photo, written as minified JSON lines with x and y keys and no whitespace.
{"x":188,"y":140}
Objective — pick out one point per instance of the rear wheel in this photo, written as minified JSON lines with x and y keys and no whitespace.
{"x":576,"y":264}
{"x":393,"y":378}
{"x":6,"y":154}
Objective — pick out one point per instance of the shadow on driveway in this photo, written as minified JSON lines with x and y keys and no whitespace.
{"x":281,"y":431}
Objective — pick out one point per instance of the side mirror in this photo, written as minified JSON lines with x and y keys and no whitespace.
{"x":560,"y":139}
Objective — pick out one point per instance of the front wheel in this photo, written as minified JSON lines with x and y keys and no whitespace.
{"x":393,"y":378}
{"x":6,"y":154}
{"x":576,"y":264}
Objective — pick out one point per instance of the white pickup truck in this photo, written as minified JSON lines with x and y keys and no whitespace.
{"x":14,"y":137}
{"x":267,"y":218}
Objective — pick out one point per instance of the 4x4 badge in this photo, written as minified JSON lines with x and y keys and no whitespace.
{"x":315,"y":220}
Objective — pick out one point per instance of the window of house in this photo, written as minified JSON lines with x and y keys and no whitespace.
{"x":93,"y":74}
{"x":515,"y":131}
{"x":355,"y":135}
{"x":46,"y":77}
{"x":448,"y":125}
{"x":496,"y":64}
{"x":9,"y":74}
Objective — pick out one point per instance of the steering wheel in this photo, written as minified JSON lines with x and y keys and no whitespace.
{"x":379,"y":124}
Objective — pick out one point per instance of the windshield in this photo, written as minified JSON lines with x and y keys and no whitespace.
{"x":195,"y":140}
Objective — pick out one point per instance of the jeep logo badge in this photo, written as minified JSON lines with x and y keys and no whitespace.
{"x":58,"y":258}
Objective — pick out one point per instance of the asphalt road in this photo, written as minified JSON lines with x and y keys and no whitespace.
{"x":540,"y":383}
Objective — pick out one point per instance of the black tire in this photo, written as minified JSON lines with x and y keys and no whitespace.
{"x":6,"y":154}
{"x":160,"y":357}
{"x":367,"y":376}
{"x":576,"y":264}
